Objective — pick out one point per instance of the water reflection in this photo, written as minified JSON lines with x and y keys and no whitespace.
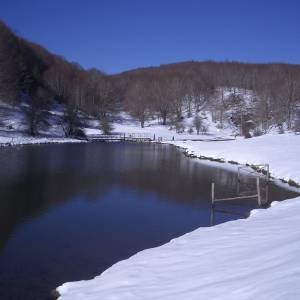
{"x":68,"y":212}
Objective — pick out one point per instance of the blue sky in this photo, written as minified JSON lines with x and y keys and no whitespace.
{"x":116,"y":35}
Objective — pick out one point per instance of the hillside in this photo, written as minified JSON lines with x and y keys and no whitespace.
{"x":187,"y":98}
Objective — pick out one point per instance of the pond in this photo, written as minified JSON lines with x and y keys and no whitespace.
{"x":68,"y":212}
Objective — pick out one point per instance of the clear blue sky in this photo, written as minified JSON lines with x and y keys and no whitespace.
{"x":116,"y":35}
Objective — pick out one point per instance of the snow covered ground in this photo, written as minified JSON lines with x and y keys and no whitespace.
{"x":254,"y":258}
{"x":281,"y":152}
{"x":14,"y":126}
{"x":127,"y":124}
{"x":23,"y":140}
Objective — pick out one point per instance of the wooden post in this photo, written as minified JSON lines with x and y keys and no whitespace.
{"x":212,"y":215}
{"x":212,"y":194}
{"x":267,"y":184}
{"x":238,"y":181}
{"x":258,"y":191}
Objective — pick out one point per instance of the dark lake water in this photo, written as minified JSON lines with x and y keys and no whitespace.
{"x":68,"y":212}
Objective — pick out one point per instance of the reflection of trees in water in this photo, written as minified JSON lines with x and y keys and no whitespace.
{"x":37,"y":180}
{"x":182,"y":181}
{"x":22,"y":200}
{"x":165,"y":170}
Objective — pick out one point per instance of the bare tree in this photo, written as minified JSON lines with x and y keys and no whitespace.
{"x":197,"y":123}
{"x":137,"y":100}
{"x":297,"y":118}
{"x":104,"y":91}
{"x":38,"y":103}
{"x":289,"y":94}
{"x":58,"y":78}
{"x":9,"y":59}
{"x":162,"y":97}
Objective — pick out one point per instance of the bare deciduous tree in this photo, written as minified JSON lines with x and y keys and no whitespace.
{"x":137,"y":100}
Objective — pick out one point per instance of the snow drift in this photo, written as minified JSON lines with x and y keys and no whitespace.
{"x":254,"y":258}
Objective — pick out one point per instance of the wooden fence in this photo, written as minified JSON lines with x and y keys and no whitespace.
{"x":264,"y":169}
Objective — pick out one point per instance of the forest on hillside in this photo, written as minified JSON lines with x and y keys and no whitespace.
{"x":261,"y":96}
{"x":31,"y":74}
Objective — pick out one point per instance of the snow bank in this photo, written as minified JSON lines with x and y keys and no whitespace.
{"x":281,"y":152}
{"x":254,"y":258}
{"x":92,"y":131}
{"x":11,"y":141}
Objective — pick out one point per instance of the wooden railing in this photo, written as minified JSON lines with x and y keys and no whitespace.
{"x":122,"y":137}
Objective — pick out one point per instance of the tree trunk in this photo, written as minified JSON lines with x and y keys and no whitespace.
{"x":164,"y":117}
{"x":221,"y":118}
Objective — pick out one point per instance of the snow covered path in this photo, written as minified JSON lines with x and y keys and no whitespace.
{"x":254,"y":258}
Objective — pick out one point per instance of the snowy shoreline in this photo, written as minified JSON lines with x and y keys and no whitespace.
{"x":19,"y":141}
{"x":279,"y":151}
{"x":233,"y":166}
{"x":241,"y":259}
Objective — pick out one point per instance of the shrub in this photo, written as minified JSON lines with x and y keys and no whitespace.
{"x":179,"y":127}
{"x":197,"y":123}
{"x":191,"y":130}
{"x":105,"y":126}
{"x":280,"y":128}
{"x":257,"y":132}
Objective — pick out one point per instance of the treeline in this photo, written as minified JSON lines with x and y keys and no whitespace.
{"x":30,"y":74}
{"x":253,"y":96}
